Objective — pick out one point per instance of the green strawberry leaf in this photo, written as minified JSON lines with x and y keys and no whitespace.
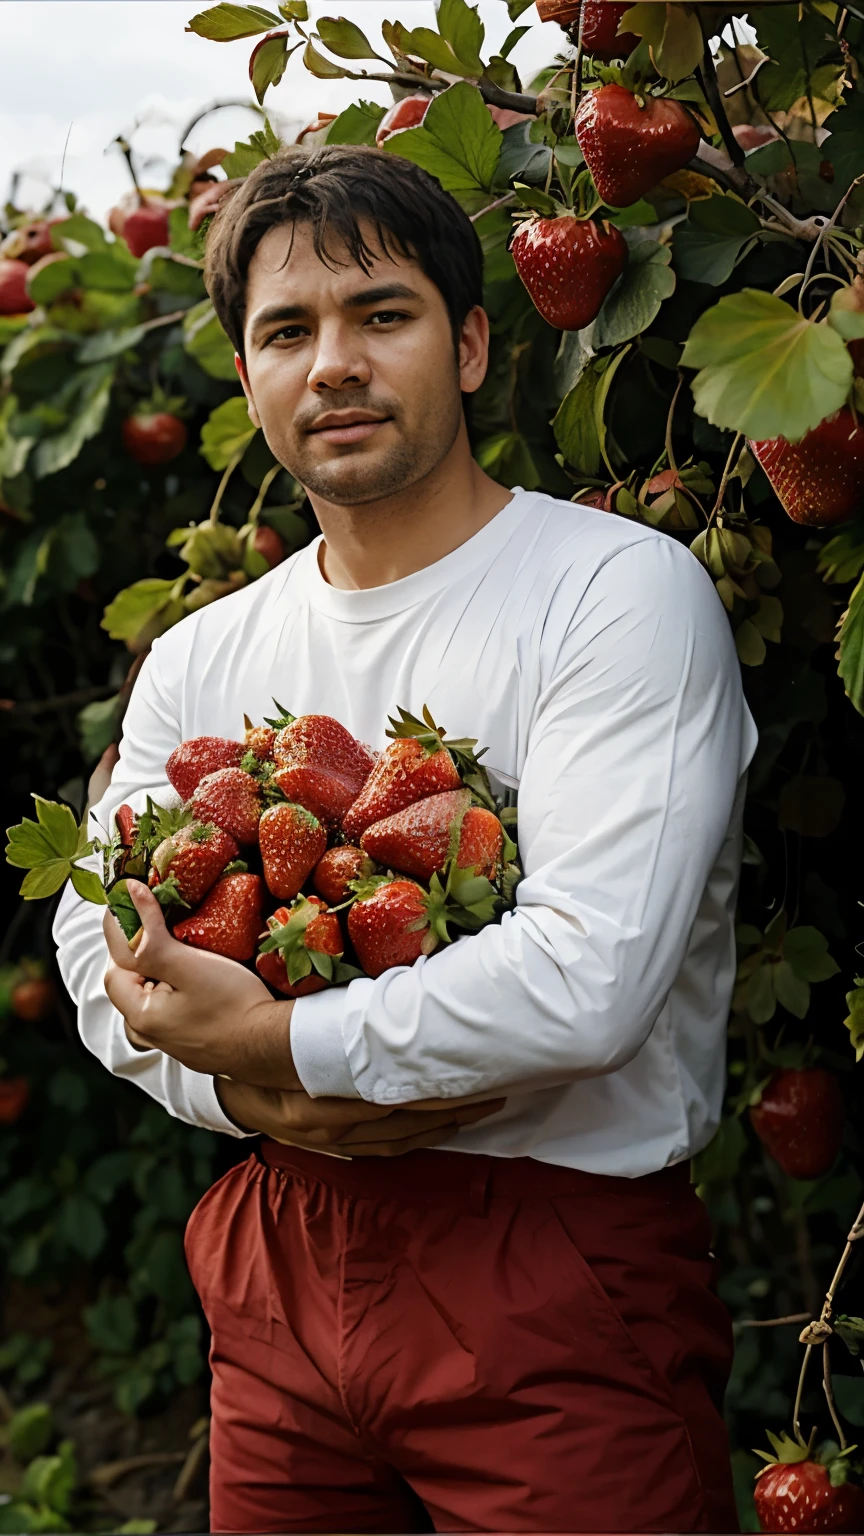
{"x":358,"y":124}
{"x":851,"y":647}
{"x":122,"y":906}
{"x":140,"y":605}
{"x":842,"y":558}
{"x":262,"y":145}
{"x":709,"y":243}
{"x":792,"y":993}
{"x":322,"y":963}
{"x":88,"y":885}
{"x":765,"y":370}
{"x":343,"y":972}
{"x":635,"y":300}
{"x":226,"y":23}
{"x":457,"y":142}
{"x":298,"y":963}
{"x":851,"y":1331}
{"x":344,"y":38}
{"x":167,"y":893}
{"x":806,"y":951}
{"x":205,"y":340}
{"x":854,"y":1020}
{"x":226,"y":432}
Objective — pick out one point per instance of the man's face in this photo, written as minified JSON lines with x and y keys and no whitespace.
{"x":353,"y":377}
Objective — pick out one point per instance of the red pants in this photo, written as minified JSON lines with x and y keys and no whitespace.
{"x":461,"y":1343}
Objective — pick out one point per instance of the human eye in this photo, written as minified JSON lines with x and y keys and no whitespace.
{"x":387,"y":317}
{"x":292,"y":332}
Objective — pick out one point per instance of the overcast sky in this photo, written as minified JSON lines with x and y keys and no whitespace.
{"x":95,"y":68}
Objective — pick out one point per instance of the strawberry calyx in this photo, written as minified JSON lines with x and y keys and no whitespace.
{"x":790,"y":1452}
{"x":167,"y":893}
{"x":287,"y":934}
{"x":283,"y":718}
{"x":462,"y":898}
{"x":432,"y":739}
{"x":236,"y":867}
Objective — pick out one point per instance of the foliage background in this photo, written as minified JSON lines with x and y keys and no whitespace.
{"x":95,"y":1182}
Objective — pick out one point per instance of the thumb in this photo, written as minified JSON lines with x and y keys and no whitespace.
{"x":155,"y":950}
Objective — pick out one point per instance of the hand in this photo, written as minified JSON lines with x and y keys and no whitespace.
{"x":348,"y":1127}
{"x":207,"y":1012}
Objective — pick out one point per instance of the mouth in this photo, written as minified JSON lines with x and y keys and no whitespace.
{"x":348,"y":426}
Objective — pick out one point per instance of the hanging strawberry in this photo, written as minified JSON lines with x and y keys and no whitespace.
{"x":797,"y":1492}
{"x":631,"y":142}
{"x":598,"y":30}
{"x":799,"y":1119}
{"x":819,"y":480}
{"x":568,"y":265}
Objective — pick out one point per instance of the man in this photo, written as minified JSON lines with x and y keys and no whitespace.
{"x":515,"y":1330}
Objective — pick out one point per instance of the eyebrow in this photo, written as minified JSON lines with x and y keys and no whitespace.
{"x":360,"y":300}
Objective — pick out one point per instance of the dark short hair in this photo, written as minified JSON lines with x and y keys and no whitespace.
{"x":333,"y":188}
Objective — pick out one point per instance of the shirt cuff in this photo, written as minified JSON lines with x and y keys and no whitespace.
{"x":316,"y":1045}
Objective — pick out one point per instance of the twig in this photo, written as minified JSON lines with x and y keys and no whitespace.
{"x":258,"y":503}
{"x":742,"y":84}
{"x":731,"y":460}
{"x":111,"y":1471}
{"x":57,"y":701}
{"x":706,"y":74}
{"x":220,"y":489}
{"x":493,"y":95}
{"x":796,"y":1411}
{"x":820,"y":1332}
{"x":498,"y":203}
{"x":190,"y":1468}
{"x":670,"y":452}
{"x":824,"y":231}
{"x":829,"y":1393}
{"x":773,"y":1322}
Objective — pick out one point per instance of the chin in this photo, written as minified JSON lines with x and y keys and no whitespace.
{"x":355,"y":478}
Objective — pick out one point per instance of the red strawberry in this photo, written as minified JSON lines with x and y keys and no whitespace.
{"x":598,"y":32}
{"x":327,"y":796}
{"x":195,"y":857}
{"x":230,"y":798}
{"x":34,"y":999}
{"x":292,"y":841}
{"x":127,"y":825}
{"x":193,"y":759}
{"x":418,"y":762}
{"x":628,"y":148}
{"x":407,"y":113}
{"x":568,"y":266}
{"x":799,"y":1119}
{"x":228,"y":920}
{"x":153,"y":437}
{"x":417,"y":841}
{"x":259,"y":739}
{"x":14,"y":298}
{"x":336,"y":867}
{"x":795,"y":1492}
{"x":145,"y":227}
{"x":819,"y":480}
{"x":14,"y":1098}
{"x":320,"y":741}
{"x":298,"y":932}
{"x":391,"y":926}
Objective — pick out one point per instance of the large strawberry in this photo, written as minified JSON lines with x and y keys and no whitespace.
{"x":303,"y":952}
{"x":819,"y":480}
{"x":186,"y":865}
{"x":321,"y":766}
{"x":259,"y":739}
{"x":800,"y":1120}
{"x":630,"y":143}
{"x":336,"y":868}
{"x":418,"y":762}
{"x":228,"y":920}
{"x":200,"y":755}
{"x":419,"y":840}
{"x":797,"y":1492}
{"x":598,"y":30}
{"x":292,"y":841}
{"x":127,"y":824}
{"x":395,"y":921}
{"x":568,"y":266}
{"x":230,"y":797}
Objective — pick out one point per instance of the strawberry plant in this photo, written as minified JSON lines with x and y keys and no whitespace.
{"x":672,"y":214}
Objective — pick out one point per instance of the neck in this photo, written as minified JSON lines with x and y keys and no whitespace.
{"x":378,"y":542}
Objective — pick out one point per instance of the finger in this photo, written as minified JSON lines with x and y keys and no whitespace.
{"x":469,"y":1098}
{"x":124,"y":989}
{"x":157,"y":952}
{"x":403,"y":1125}
{"x":395,"y":1148}
{"x":478,"y":1112}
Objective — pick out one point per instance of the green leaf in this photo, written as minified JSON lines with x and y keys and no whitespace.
{"x":205,"y":340}
{"x":635,"y":300}
{"x":30,"y":1431}
{"x":108,"y":344}
{"x":849,"y":1397}
{"x":262,"y":145}
{"x":344,"y":38}
{"x":673,"y":34}
{"x":806,"y":950}
{"x":113,"y":270}
{"x":122,"y":906}
{"x":358,"y":124}
{"x":80,"y":1225}
{"x":842,"y":558}
{"x":88,"y":886}
{"x":58,"y":277}
{"x":457,"y":142}
{"x":854,"y":1020}
{"x":54,"y":835}
{"x":851,"y":651}
{"x":507,"y":458}
{"x":761,"y":995}
{"x":460,"y":26}
{"x":515,"y":8}
{"x":49,"y":1483}
{"x":112,"y":1324}
{"x":268,"y":65}
{"x":81,"y":233}
{"x":764,"y":369}
{"x":319,"y":66}
{"x":574,"y":424}
{"x":709,"y":242}
{"x":720,"y":1160}
{"x":225,"y":23}
{"x":93,"y":391}
{"x":846,"y":313}
{"x":97,"y":724}
{"x":226,"y":432}
{"x":750,"y":644}
{"x":792,"y":993}
{"x":136,"y":606}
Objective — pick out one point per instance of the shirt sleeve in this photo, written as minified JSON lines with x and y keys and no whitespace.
{"x":636,"y":747}
{"x":151,"y":731}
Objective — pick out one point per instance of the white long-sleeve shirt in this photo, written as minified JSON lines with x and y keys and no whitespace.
{"x":594,"y":661}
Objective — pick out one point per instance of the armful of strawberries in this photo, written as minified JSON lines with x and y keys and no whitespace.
{"x":218,"y":1018}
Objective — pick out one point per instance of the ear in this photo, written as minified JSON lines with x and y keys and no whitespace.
{"x":473,"y":350}
{"x":244,"y":380}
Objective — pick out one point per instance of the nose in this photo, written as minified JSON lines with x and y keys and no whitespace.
{"x":339,"y":361}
